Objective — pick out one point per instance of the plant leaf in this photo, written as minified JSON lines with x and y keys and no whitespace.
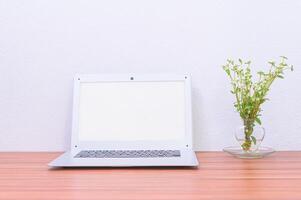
{"x":283,"y":57}
{"x":253,"y":139}
{"x":258,"y":120}
{"x":279,"y":76}
{"x":228,"y":71}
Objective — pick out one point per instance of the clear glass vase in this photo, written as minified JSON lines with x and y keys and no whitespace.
{"x":250,"y":137}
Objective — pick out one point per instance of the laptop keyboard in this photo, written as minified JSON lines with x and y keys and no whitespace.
{"x":127,"y":153}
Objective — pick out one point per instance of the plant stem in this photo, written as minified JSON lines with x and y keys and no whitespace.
{"x":248,"y":131}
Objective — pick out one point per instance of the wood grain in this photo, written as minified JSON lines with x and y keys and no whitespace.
{"x":219,"y":176}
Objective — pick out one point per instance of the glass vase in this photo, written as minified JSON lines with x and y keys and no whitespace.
{"x":250,"y":137}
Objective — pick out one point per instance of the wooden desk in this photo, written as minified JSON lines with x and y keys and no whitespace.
{"x":219,"y":176}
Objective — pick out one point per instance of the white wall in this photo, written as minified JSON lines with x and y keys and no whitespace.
{"x":44,"y":43}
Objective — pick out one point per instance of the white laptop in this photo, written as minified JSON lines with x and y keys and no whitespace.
{"x":130,"y":120}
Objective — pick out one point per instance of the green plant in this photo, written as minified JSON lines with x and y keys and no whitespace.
{"x":251,"y":95}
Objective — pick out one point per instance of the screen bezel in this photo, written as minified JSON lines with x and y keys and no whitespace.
{"x":76,"y":144}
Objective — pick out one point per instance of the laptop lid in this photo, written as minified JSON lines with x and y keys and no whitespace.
{"x":131,"y":112}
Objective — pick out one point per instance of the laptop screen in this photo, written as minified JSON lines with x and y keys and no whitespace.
{"x":131,"y":111}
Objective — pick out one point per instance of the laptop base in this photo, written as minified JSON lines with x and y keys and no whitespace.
{"x":187,"y":158}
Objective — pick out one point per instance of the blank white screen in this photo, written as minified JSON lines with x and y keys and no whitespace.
{"x":130,"y":111}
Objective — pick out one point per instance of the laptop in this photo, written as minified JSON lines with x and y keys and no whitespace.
{"x":130,"y":121}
